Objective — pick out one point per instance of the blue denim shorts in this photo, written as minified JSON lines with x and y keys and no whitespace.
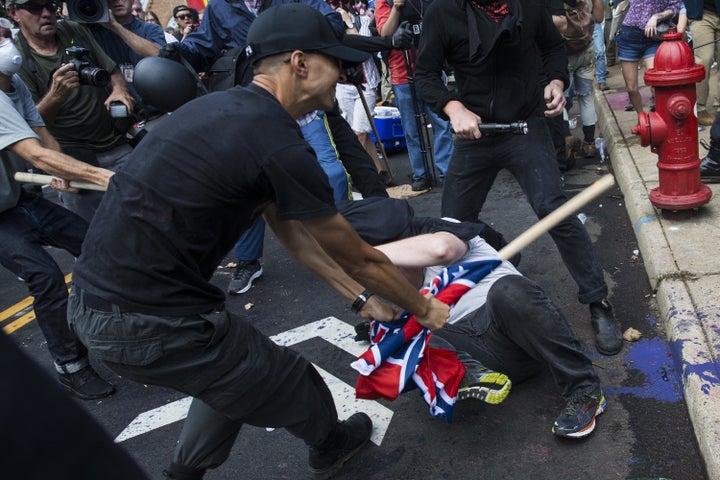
{"x":634,"y":46}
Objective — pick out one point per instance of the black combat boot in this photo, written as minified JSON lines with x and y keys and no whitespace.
{"x":608,"y":339}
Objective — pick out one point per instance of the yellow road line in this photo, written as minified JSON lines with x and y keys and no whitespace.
{"x":19,"y":307}
{"x":20,"y":322}
{"x":15,"y":309}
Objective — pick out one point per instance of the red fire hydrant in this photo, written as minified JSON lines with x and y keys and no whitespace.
{"x":671,"y":130}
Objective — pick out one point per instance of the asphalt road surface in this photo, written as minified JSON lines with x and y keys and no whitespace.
{"x":645,"y":432}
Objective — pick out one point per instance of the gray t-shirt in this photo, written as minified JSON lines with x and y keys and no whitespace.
{"x":19,"y":114}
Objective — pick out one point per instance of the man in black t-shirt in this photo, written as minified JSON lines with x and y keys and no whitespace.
{"x":143,"y":301}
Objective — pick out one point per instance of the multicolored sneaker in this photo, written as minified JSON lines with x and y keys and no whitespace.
{"x":577,"y":419}
{"x":481,"y":383}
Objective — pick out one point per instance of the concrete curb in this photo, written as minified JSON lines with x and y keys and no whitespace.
{"x":690,"y":341}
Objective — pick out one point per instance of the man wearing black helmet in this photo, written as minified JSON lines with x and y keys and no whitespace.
{"x":157,"y":319}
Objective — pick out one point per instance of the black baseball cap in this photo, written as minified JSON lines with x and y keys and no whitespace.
{"x":294,"y":26}
{"x":179,"y":8}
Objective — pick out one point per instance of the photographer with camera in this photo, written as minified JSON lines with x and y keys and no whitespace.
{"x":389,"y":15}
{"x":72,"y":103}
{"x":127,"y":40}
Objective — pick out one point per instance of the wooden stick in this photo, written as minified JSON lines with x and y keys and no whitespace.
{"x":378,"y":141}
{"x":557,"y":216}
{"x":45,"y":180}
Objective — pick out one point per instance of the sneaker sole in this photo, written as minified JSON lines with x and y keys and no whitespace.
{"x":710,"y":178}
{"x":487,"y":390}
{"x":587,"y":430}
{"x":249,"y":285}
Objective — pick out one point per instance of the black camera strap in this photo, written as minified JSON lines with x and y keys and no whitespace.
{"x":33,"y":66}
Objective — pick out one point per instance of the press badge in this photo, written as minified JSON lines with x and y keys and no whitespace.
{"x":128,"y":70}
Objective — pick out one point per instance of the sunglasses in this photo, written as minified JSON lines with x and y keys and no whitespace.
{"x":137,"y":9}
{"x":37,"y":8}
{"x":184,"y":16}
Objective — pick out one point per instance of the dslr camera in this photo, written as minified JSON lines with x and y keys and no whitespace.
{"x":89,"y":74}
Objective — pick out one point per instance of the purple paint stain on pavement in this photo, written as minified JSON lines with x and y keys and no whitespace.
{"x":706,"y":371}
{"x":653,"y":359}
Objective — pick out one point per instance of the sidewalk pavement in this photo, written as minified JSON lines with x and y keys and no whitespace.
{"x":681,"y":252}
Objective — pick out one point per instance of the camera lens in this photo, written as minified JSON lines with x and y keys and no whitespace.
{"x":89,"y":9}
{"x":94,"y":76}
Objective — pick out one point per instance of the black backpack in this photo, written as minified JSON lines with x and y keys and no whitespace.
{"x":580,"y":25}
{"x":230,"y":69}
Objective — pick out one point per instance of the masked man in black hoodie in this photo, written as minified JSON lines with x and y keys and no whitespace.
{"x":510,"y":64}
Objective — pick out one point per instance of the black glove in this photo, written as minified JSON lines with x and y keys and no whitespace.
{"x":362,"y":332}
{"x":354,"y":75}
{"x":402,"y":39}
{"x":169,"y":51}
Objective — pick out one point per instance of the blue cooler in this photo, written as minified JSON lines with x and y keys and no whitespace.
{"x":389,"y":128}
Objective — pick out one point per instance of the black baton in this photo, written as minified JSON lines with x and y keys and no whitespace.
{"x":518,"y":128}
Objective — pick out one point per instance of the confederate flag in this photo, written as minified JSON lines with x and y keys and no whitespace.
{"x":399,"y":353}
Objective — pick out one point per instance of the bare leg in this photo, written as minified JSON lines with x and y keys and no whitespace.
{"x":650,"y":63}
{"x":630,"y":74}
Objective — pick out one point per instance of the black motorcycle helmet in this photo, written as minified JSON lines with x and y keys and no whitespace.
{"x":164,"y":83}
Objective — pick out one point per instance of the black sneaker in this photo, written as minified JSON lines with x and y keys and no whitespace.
{"x":86,"y":384}
{"x":351,"y":435}
{"x":481,"y":383}
{"x":242,"y":279}
{"x":629,"y":107}
{"x":419,"y":184}
{"x":577,"y":419}
{"x":608,"y":339}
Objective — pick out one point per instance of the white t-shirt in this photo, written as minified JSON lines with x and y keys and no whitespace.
{"x":475,"y":298}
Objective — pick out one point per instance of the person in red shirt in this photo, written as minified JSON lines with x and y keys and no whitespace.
{"x":388,"y":18}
